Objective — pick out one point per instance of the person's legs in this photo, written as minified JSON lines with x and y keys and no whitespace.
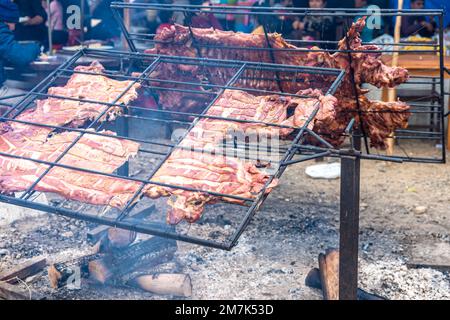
{"x":60,"y":37}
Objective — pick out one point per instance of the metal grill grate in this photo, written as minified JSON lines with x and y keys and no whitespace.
{"x":160,"y":149}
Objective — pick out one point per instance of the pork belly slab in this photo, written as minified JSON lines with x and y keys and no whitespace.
{"x":272,"y":109}
{"x":209,"y":173}
{"x":93,"y":152}
{"x":213,"y":170}
{"x":95,"y":87}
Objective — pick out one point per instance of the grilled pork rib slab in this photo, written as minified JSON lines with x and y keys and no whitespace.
{"x":93,"y":152}
{"x":95,"y":87}
{"x":206,"y":172}
{"x":177,"y":40}
{"x":213,"y":170}
{"x":228,"y":45}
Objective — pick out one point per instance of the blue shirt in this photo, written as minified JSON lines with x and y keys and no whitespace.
{"x":15,"y":53}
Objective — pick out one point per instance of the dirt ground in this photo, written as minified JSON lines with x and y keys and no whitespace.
{"x":404,"y":218}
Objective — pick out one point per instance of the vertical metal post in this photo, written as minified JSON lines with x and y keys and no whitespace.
{"x":349,"y":227}
{"x":83,"y":15}
{"x":125,"y":32}
{"x":123,"y":130}
{"x":50,"y":28}
{"x":442,"y":83}
{"x":433,"y":124}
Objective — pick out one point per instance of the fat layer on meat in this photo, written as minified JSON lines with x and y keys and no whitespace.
{"x":93,"y":152}
{"x":201,"y":164}
{"x":94,"y":87}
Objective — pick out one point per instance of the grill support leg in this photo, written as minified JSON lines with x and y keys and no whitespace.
{"x":123,"y":130}
{"x":349,"y":227}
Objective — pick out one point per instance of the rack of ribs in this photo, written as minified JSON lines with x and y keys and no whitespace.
{"x":271,"y":109}
{"x":209,"y":173}
{"x":379,"y":118}
{"x":200,"y":163}
{"x":60,"y":112}
{"x":178,"y":40}
{"x":365,"y":61}
{"x":94,"y":152}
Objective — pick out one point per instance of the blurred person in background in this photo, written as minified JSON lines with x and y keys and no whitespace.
{"x":31,"y":26}
{"x":107,"y":28}
{"x":228,"y":21}
{"x":19,"y":55}
{"x":367,"y":34}
{"x":300,"y":3}
{"x":178,"y":16}
{"x":56,"y":22}
{"x":282,"y":23}
{"x":153,"y":20}
{"x":258,"y":21}
{"x":165,"y":20}
{"x":341,"y":22}
{"x":386,"y":23}
{"x":314,"y":27}
{"x":341,"y":4}
{"x":413,"y":25}
{"x":243,"y":22}
{"x":271,"y":23}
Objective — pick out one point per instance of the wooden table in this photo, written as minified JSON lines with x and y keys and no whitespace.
{"x":420,"y":65}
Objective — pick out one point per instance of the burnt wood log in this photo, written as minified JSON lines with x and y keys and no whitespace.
{"x":313,"y":280}
{"x":174,"y":284}
{"x":11,"y":292}
{"x":59,"y":273}
{"x":152,"y":252}
{"x":120,"y":238}
{"x":168,"y":267}
{"x":165,"y":279}
{"x":329,"y":274}
{"x":114,"y":239}
{"x":24,"y":270}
